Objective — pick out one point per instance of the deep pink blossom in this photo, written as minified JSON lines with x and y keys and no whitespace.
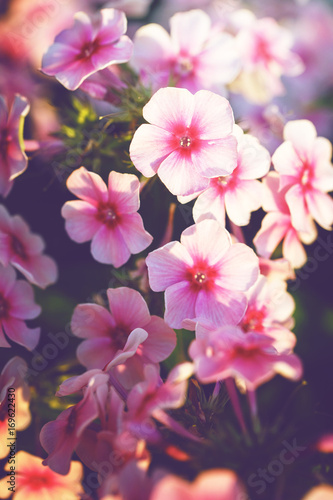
{"x":266,"y":53}
{"x":129,"y":330}
{"x":107,"y":215}
{"x":91,"y":44}
{"x":17,"y":305}
{"x":13,"y":160}
{"x":188,"y":139}
{"x":306,"y":173}
{"x":215,"y":484}
{"x":204,"y":275}
{"x":250,"y":358}
{"x":239,"y":193}
{"x":194,"y":56}
{"x":23,"y":250}
{"x":277,"y":225}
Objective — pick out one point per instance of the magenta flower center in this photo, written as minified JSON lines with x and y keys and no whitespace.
{"x":185,"y":142}
{"x":3,"y":307}
{"x":38,"y":480}
{"x":254,"y":319}
{"x":88,"y":49}
{"x":201,"y":276}
{"x":107,"y":214}
{"x":18,"y":247}
{"x":306,"y":176}
{"x":184,"y":66}
{"x":119,"y":338}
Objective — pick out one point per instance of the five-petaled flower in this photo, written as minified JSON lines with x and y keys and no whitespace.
{"x":107,"y":215}
{"x":90,"y":45}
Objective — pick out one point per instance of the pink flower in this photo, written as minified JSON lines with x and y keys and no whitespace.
{"x":194,"y":56}
{"x":107,"y":215}
{"x":16,"y":305}
{"x":277,"y":225}
{"x":127,"y":331}
{"x":266,"y":52}
{"x":188,"y":140}
{"x":322,"y":492}
{"x":239,"y":193}
{"x":250,"y":358}
{"x":13,"y":160}
{"x":304,"y":164}
{"x":215,"y":484}
{"x":269,"y":311}
{"x":23,"y":250}
{"x":90,"y":45}
{"x":204,"y":275}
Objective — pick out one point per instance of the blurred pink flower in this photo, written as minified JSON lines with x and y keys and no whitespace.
{"x":306,"y":173}
{"x":250,"y":358}
{"x":188,"y":140}
{"x":127,"y":331}
{"x":269,"y":311}
{"x":194,"y":56}
{"x":204,"y":275}
{"x":215,"y":484}
{"x":23,"y":250}
{"x":322,"y":492}
{"x":13,"y":160}
{"x":277,"y":225}
{"x":92,"y":44}
{"x":107,"y":215}
{"x":239,"y":193}
{"x":16,"y":305}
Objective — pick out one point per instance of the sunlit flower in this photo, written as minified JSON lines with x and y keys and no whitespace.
{"x":34,"y":480}
{"x":322,"y":492}
{"x":90,"y":45}
{"x":194,"y":56}
{"x":188,"y":139}
{"x":203,"y":276}
{"x":13,"y":160}
{"x":23,"y":250}
{"x":306,"y":174}
{"x":107,"y":215}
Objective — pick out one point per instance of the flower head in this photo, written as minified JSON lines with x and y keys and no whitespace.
{"x":90,"y":45}
{"x":204,"y":275}
{"x":107,"y":215}
{"x":13,"y":160}
{"x":188,"y":139}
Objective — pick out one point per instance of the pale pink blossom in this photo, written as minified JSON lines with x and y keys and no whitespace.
{"x":194,"y":56}
{"x":107,"y":215}
{"x":215,"y":484}
{"x":188,"y":139}
{"x":306,"y":174}
{"x":128,"y":330}
{"x":13,"y":160}
{"x":23,"y":250}
{"x":266,"y":55}
{"x":17,"y":305}
{"x":91,"y":44}
{"x":322,"y":492}
{"x":204,"y":275}
{"x":249,"y":358}
{"x":269,"y":311}
{"x":276,"y":269}
{"x":278,"y":226}
{"x":239,"y":193}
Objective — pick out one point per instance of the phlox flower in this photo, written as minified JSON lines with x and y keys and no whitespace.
{"x":16,"y":305}
{"x":250,"y":358}
{"x":304,"y":164}
{"x":277,"y":225}
{"x":60,"y":437}
{"x":23,"y":250}
{"x":203,"y":276}
{"x":266,"y":53}
{"x":239,"y":193}
{"x":107,"y":215}
{"x":276,"y":269}
{"x":188,"y":139}
{"x":91,"y":44}
{"x":33,"y":480}
{"x":322,"y":492}
{"x":128,"y":330}
{"x":12,"y":375}
{"x":194,"y":56}
{"x":215,"y":484}
{"x":13,"y":160}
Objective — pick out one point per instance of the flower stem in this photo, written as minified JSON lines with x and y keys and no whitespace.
{"x":252,"y":399}
{"x":230,"y":385}
{"x":175,"y":426}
